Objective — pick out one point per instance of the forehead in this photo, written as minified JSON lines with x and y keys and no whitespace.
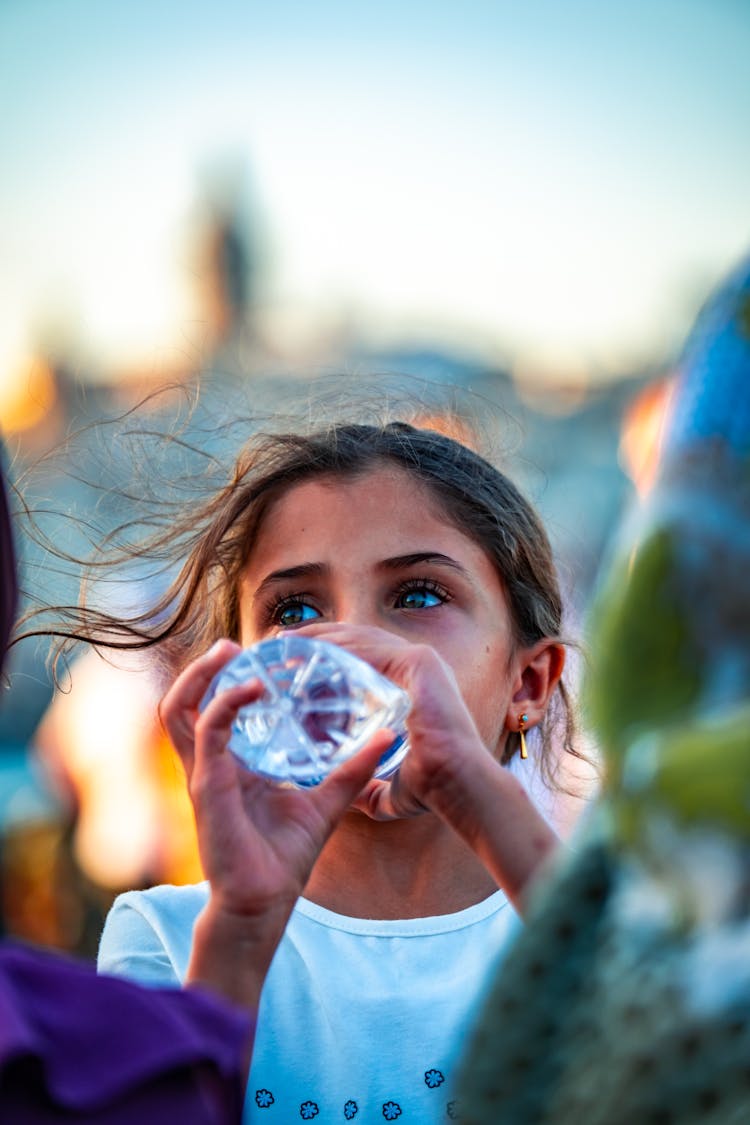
{"x":385,"y":509}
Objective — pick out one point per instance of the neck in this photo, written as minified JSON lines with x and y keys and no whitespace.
{"x":413,"y":868}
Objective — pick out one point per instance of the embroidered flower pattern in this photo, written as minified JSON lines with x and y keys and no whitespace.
{"x":391,"y":1110}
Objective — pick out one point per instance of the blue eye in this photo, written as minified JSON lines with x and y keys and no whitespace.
{"x":419,"y":598}
{"x":295,"y":613}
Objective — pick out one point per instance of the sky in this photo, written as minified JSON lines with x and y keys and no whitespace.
{"x":554,"y":182}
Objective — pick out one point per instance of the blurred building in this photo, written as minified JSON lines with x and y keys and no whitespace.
{"x":85,"y":810}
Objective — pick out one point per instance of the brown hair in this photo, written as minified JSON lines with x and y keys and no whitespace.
{"x":214,"y":540}
{"x":8,"y":579}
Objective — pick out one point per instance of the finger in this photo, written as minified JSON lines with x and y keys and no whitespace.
{"x":386,"y":800}
{"x":336,"y":794}
{"x":418,"y":668}
{"x":340,"y":633}
{"x":177,"y":708}
{"x":214,"y":726}
{"x":384,"y":651}
{"x":192,"y":683}
{"x":374,"y":800}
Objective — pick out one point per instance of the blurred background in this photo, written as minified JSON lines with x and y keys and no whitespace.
{"x":514,"y":210}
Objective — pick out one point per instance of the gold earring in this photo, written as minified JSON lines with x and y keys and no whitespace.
{"x":522,"y":721}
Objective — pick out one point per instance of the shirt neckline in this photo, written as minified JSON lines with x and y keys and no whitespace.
{"x":403,"y":927}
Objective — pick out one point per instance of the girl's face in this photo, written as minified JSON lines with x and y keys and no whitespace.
{"x":375,"y":550}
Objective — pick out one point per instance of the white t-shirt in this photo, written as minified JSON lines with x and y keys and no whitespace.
{"x":359,"y":1020}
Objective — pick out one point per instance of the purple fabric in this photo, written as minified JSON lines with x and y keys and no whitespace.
{"x":77,"y":1047}
{"x":89,"y":1050}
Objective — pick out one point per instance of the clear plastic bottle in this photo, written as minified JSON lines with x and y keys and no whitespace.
{"x":321,"y":705}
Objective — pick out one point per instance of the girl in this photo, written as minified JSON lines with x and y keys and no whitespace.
{"x":413,"y":552}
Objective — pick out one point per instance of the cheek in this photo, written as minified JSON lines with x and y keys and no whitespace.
{"x":486,"y":691}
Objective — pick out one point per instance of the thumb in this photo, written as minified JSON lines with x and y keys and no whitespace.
{"x":375,"y":800}
{"x":334,"y":795}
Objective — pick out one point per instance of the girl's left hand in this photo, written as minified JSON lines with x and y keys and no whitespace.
{"x":448,"y":769}
{"x":443,"y":739}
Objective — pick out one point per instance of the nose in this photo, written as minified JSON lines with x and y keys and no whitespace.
{"x":358,"y":607}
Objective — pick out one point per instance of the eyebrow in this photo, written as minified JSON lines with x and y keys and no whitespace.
{"x":400,"y":562}
{"x":397,"y":562}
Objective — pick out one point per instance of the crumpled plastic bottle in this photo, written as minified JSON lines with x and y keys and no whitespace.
{"x":320,"y":706}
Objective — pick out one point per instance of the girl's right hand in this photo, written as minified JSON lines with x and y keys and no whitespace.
{"x":258,"y":841}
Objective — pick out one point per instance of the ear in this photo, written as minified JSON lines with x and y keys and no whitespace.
{"x":539,"y":671}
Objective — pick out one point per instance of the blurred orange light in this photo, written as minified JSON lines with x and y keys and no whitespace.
{"x":26,"y":397}
{"x":449,"y":424}
{"x":642,"y":433}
